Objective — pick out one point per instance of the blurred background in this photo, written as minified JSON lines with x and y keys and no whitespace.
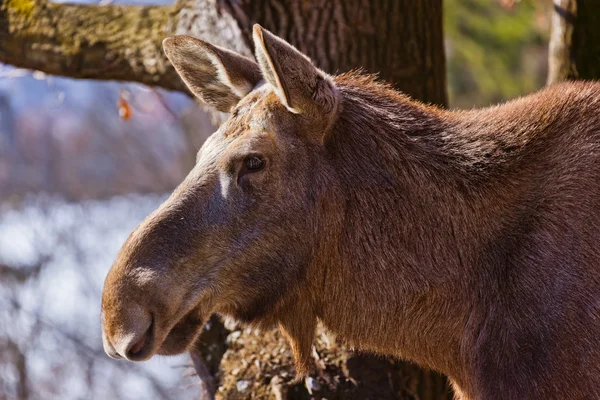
{"x":82,"y":162}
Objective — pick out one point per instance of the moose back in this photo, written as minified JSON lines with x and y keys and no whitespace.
{"x":467,"y":242}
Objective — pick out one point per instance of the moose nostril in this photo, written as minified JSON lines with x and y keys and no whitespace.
{"x":131,"y":335}
{"x":137,"y":346}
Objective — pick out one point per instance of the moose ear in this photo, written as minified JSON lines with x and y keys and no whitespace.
{"x":300,"y":86}
{"x":217,"y":76}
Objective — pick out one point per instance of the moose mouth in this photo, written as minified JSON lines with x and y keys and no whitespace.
{"x":176,"y":341}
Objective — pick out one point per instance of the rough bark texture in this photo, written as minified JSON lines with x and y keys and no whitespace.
{"x":88,"y":41}
{"x":575,"y":41}
{"x":402,"y":40}
{"x":586,"y":43}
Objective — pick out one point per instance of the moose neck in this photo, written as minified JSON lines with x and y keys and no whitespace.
{"x":418,"y":223}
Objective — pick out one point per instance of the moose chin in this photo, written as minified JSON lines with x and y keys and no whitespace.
{"x":465,"y":241}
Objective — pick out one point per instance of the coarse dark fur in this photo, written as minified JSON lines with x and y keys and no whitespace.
{"x":464,"y":241}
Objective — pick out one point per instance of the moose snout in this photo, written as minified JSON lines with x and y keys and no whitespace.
{"x":128,"y":333}
{"x":145,"y":294}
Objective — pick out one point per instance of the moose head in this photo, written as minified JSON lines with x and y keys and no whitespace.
{"x":241,"y":233}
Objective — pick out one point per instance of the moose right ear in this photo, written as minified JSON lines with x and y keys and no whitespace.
{"x":217,"y":76}
{"x":301,"y":87}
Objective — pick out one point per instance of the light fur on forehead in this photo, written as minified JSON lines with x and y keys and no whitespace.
{"x":217,"y":76}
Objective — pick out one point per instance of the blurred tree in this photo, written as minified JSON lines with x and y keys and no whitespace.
{"x":402,"y":40}
{"x":496,"y":49}
{"x":7,"y":123}
{"x":575,"y":41}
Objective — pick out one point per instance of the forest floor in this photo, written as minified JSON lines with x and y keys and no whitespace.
{"x":259,"y":365}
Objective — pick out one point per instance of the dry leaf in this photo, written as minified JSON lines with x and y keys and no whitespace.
{"x":123,"y":106}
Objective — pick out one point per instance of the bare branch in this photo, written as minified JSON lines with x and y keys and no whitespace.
{"x":89,"y":41}
{"x":20,"y":365}
{"x":207,"y":381}
{"x":21,"y":273}
{"x":85,"y":350}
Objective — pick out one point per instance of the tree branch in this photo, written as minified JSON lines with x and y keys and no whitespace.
{"x":207,"y":380}
{"x":21,"y":273}
{"x":90,"y":41}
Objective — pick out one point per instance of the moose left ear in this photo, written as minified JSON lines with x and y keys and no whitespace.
{"x":217,"y":76}
{"x":301,"y":87}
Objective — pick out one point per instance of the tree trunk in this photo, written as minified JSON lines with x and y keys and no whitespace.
{"x":401,"y":40}
{"x":575,"y":41}
{"x":586,"y":43}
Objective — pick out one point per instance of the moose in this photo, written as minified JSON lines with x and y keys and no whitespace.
{"x":465,"y":241}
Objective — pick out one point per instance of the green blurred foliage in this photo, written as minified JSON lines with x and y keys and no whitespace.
{"x":496,"y":49}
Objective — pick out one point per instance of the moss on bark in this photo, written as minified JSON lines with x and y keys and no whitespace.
{"x":89,"y":41}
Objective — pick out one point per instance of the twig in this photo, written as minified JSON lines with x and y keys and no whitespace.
{"x":207,"y":384}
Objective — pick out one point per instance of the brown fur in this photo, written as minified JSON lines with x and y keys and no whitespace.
{"x":464,"y":241}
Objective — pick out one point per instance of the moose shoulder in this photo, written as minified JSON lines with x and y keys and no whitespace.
{"x":465,"y":241}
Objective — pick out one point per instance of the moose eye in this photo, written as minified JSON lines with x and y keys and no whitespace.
{"x":254,"y":163}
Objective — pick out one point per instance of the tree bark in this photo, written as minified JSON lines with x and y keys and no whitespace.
{"x":401,"y":40}
{"x":574,"y":51}
{"x":89,"y":41}
{"x":586,"y":43}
